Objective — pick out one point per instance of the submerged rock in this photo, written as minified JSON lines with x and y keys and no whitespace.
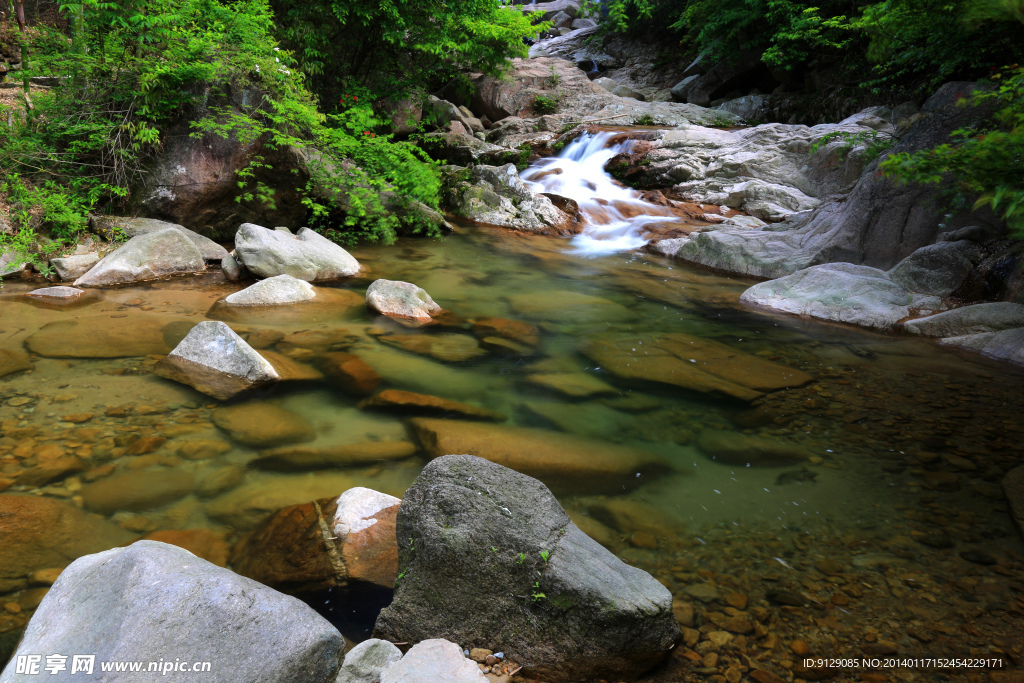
{"x":568,"y":307}
{"x":692,"y":363}
{"x":307,"y":255}
{"x":401,"y":300}
{"x":14,"y":361}
{"x":349,"y":372}
{"x":39,"y":532}
{"x":249,"y":504}
{"x":574,"y":384}
{"x":137,"y":490}
{"x":562,"y":461}
{"x":56,"y":293}
{"x":324,"y":544}
{"x":488,"y":558}
{"x":158,"y":603}
{"x":432,"y":661}
{"x":840,"y":292}
{"x":515,"y":330}
{"x":104,"y":336}
{"x":293,"y":458}
{"x":263,"y":425}
{"x":449,"y":347}
{"x":366,"y":661}
{"x":976,"y":319}
{"x":216,"y":361}
{"x":146,"y":257}
{"x":396,"y":400}
{"x":280,"y":289}
{"x":745,"y":450}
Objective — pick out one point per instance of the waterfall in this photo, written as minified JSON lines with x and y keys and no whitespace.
{"x":614,"y":215}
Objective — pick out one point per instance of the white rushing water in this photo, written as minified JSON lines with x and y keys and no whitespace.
{"x":614,"y":215}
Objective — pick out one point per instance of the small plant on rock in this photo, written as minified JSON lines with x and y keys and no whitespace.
{"x":542,"y":104}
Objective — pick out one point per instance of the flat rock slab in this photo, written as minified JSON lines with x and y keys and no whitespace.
{"x":431,"y":661}
{"x":216,"y":361}
{"x":448,"y":347}
{"x":401,"y":300}
{"x":156,"y":602}
{"x":562,"y":461}
{"x":299,"y":458}
{"x":274,"y":291}
{"x":568,"y":307}
{"x":692,"y":363}
{"x":977,"y":319}
{"x":840,"y":292}
{"x":574,"y":384}
{"x":1007,"y":345}
{"x":104,"y":336}
{"x":745,"y":450}
{"x":324,"y":544}
{"x":136,"y":490}
{"x":45,"y":532}
{"x":306,"y":255}
{"x":146,"y":257}
{"x":396,"y":400}
{"x":109,"y":226}
{"x":57,"y":293}
{"x":488,"y":558}
{"x":263,"y":425}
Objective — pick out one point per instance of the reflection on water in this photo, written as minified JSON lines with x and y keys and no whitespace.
{"x":856,"y":506}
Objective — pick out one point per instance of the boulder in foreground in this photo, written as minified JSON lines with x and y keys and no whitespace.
{"x":155,"y":602}
{"x":562,"y":461}
{"x":433,"y":661}
{"x":366,"y":661}
{"x":216,"y":361}
{"x":488,"y":558}
{"x":146,"y":257}
{"x":307,"y":255}
{"x":324,"y":544}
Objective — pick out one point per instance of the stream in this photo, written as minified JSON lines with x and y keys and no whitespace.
{"x":893,"y":517}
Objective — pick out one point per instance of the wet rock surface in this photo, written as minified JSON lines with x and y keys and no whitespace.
{"x":401,"y":300}
{"x":407,"y":402}
{"x":298,"y":458}
{"x":262,"y":425}
{"x":147,"y":257}
{"x":274,"y":291}
{"x":153,"y":601}
{"x":559,"y":460}
{"x":974,"y":319}
{"x":216,"y":361}
{"x":590,"y":614}
{"x":306,"y":255}
{"x":324,"y":544}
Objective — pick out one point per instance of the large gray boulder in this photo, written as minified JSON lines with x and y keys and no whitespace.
{"x":1007,"y":345}
{"x":433,"y":661}
{"x":488,"y":558}
{"x":216,"y":361}
{"x":111,"y":226}
{"x":153,"y":602}
{"x":748,"y":107}
{"x":401,"y":300}
{"x":977,"y":319}
{"x":367,"y":661}
{"x":307,"y":255}
{"x":938,"y":269}
{"x":146,"y":257}
{"x":274,"y":291}
{"x":840,"y":292}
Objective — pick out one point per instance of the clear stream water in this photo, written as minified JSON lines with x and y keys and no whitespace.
{"x":908,"y":440}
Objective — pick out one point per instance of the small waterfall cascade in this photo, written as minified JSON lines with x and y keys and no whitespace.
{"x":615,"y":216}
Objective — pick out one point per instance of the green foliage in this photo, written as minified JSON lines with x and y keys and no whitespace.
{"x":645,"y":120}
{"x":396,"y":47}
{"x":542,"y":104}
{"x":985,"y":162}
{"x":874,"y":143}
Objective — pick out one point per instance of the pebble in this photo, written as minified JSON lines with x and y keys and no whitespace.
{"x":77,"y":418}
